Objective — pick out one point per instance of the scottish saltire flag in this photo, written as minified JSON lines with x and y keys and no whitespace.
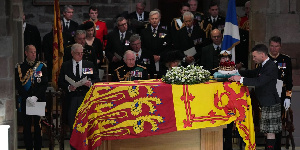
{"x":231,"y":30}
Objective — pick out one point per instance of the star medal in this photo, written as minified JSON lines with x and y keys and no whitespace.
{"x":97,"y":27}
{"x":38,"y":80}
{"x":154,"y":34}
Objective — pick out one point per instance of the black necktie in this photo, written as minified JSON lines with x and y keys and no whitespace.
{"x":214,"y":20}
{"x":122,"y":37}
{"x":218,"y":49}
{"x":190,"y":30}
{"x":154,"y":32}
{"x":77,"y":71}
{"x":67,"y":25}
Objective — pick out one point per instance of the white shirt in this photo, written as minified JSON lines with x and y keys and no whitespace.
{"x":262,"y":64}
{"x":139,"y":53}
{"x":187,"y":28}
{"x":216,"y":46}
{"x":212,"y":18}
{"x":24,"y":26}
{"x":120,"y":33}
{"x":154,"y":28}
{"x":74,"y":67}
{"x":140,"y":17}
{"x":65,"y":22}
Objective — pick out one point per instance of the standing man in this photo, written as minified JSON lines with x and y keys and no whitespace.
{"x":264,"y":78}
{"x":117,"y":44}
{"x":69,"y":26}
{"x":210,"y":53}
{"x":189,"y":37}
{"x":32,"y":37}
{"x":140,"y":16}
{"x":214,"y":21}
{"x":155,"y":38}
{"x":76,"y":69}
{"x":130,"y":71}
{"x":31,"y":83}
{"x":88,"y":51}
{"x":100,"y":26}
{"x":284,"y":64}
{"x":177,"y":23}
{"x":198,"y":16}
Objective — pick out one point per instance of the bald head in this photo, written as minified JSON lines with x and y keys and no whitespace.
{"x":216,"y":36}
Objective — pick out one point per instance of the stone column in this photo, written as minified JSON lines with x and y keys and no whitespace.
{"x":11,"y":41}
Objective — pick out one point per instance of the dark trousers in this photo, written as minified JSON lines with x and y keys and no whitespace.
{"x":228,"y":137}
{"x":27,"y":120}
{"x":74,"y":104}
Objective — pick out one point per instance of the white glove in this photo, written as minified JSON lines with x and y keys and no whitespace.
{"x":30,"y":101}
{"x":287,"y":103}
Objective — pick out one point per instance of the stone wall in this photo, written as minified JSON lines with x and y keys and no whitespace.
{"x":42,"y":15}
{"x":280,"y":18}
{"x":10,"y":41}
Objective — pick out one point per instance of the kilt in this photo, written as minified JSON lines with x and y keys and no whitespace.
{"x":271,"y":119}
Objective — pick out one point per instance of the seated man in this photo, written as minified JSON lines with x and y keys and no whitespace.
{"x":143,"y":57}
{"x":130,"y":71}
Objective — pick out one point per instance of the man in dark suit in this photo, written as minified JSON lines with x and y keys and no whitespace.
{"x":264,"y":78}
{"x":68,"y":25}
{"x":210,"y":53}
{"x":88,"y":51}
{"x":214,"y":20}
{"x":117,"y":43}
{"x":154,"y":38}
{"x":76,"y":69}
{"x":139,"y":17}
{"x":143,"y":57}
{"x":190,"y":36}
{"x":32,"y":37}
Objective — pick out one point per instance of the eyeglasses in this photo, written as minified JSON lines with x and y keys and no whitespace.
{"x":122,"y":24}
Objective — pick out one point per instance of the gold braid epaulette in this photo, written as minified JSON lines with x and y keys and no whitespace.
{"x":141,"y":66}
{"x":288,"y":93}
{"x":125,"y":77}
{"x":176,"y":25}
{"x":28,"y":74}
{"x":208,"y":29}
{"x":245,"y":26}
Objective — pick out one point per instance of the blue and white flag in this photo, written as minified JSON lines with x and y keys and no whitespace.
{"x":231,"y":30}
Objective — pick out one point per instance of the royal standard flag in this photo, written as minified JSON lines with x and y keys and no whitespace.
{"x":58,"y":48}
{"x":231,"y":29}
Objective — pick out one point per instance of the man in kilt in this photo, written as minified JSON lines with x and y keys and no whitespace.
{"x":264,"y":78}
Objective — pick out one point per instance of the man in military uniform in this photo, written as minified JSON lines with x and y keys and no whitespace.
{"x":130,"y":71}
{"x":198,"y":16}
{"x":214,"y":21}
{"x":155,"y":38}
{"x":177,"y":23}
{"x":31,"y":83}
{"x":88,"y":51}
{"x":283,"y":62}
{"x":244,"y":21}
